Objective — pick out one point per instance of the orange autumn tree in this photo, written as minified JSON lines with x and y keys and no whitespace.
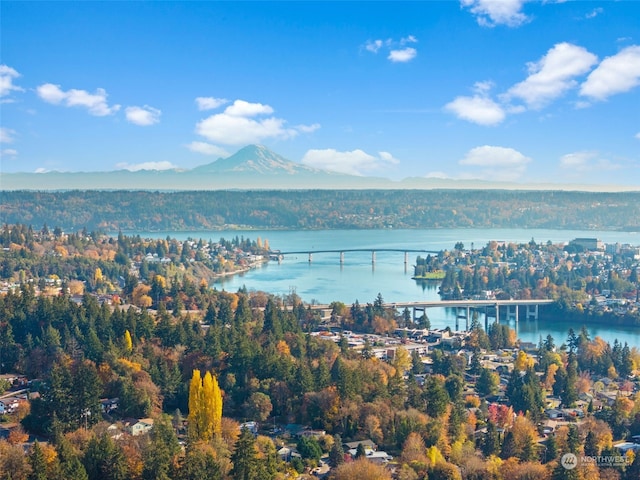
{"x":205,"y":407}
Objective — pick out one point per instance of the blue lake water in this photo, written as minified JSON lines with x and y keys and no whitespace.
{"x":325,"y":280}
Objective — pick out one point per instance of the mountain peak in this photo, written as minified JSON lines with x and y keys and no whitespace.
{"x":256,"y":159}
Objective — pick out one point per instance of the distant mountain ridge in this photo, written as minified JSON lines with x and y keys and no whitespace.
{"x":257,"y":159}
{"x":255,"y":167}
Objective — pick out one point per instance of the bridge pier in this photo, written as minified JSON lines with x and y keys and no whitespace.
{"x":341,"y":258}
{"x":373,"y":257}
{"x":406,"y":258}
{"x":418,"y":309}
{"x":532,"y":312}
{"x":310,"y":257}
{"x":466,"y":311}
{"x":512,"y":312}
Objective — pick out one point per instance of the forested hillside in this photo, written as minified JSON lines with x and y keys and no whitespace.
{"x":322,"y":209}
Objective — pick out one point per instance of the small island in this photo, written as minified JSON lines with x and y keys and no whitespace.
{"x":433,"y":275}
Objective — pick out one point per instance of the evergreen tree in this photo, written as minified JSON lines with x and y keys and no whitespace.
{"x":86,"y":394}
{"x":573,"y":440}
{"x":104,"y":460}
{"x":528,"y":453}
{"x":161,"y":451}
{"x":569,"y":394}
{"x":509,"y":448}
{"x":591,"y":445}
{"x":336,"y":454}
{"x":436,"y":396}
{"x":38,"y":463}
{"x":244,"y":458}
{"x":552,"y":449}
{"x":491,"y":442}
{"x":198,"y":464}
{"x":70,"y":466}
{"x":487,"y":383}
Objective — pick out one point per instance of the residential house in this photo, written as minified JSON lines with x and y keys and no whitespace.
{"x":138,"y":427}
{"x":9,"y":405}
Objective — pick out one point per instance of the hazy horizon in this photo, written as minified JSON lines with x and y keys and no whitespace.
{"x":516,"y":92}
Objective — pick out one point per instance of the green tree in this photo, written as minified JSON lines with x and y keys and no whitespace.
{"x":569,"y":394}
{"x":198,"y":463}
{"x":70,"y":466}
{"x":104,"y":460}
{"x":552,"y":449}
{"x":244,"y":458}
{"x":86,"y":394}
{"x":336,"y":454}
{"x":491,"y":442}
{"x":259,"y":406}
{"x":360,"y":451}
{"x":161,"y":452}
{"x":436,"y":396}
{"x":38,"y":463}
{"x":591,"y":448}
{"x":487,"y":383}
{"x":309,"y":448}
{"x":509,"y":447}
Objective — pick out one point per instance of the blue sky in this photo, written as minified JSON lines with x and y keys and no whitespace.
{"x":510,"y":90}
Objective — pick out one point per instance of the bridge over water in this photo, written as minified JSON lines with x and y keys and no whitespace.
{"x":491,"y":308}
{"x":280,"y":254}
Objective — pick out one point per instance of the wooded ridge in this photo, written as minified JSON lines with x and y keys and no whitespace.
{"x":112,"y":211}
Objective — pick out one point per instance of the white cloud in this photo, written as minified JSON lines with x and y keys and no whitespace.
{"x":637,"y":135}
{"x":6,"y":135}
{"x":387,"y":157}
{"x":477,"y":109}
{"x":496,"y":163}
{"x":7,"y":75}
{"x":143,"y":116}
{"x":404,"y":55}
{"x":242,"y":108}
{"x":95,"y":103}
{"x":41,"y":170}
{"x":586,"y":161}
{"x":164,"y":165}
{"x":616,"y":74}
{"x":210,"y":103}
{"x":207,"y":149}
{"x":490,"y":13}
{"x":594,"y":13}
{"x":308,"y":128}
{"x":397,"y":52}
{"x":356,"y":162}
{"x":553,"y":74}
{"x":236,"y":125}
{"x":373,"y":45}
{"x":9,"y":152}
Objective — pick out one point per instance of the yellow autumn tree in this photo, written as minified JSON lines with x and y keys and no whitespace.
{"x":523,"y":361}
{"x":205,"y":407}
{"x":128,"y":343}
